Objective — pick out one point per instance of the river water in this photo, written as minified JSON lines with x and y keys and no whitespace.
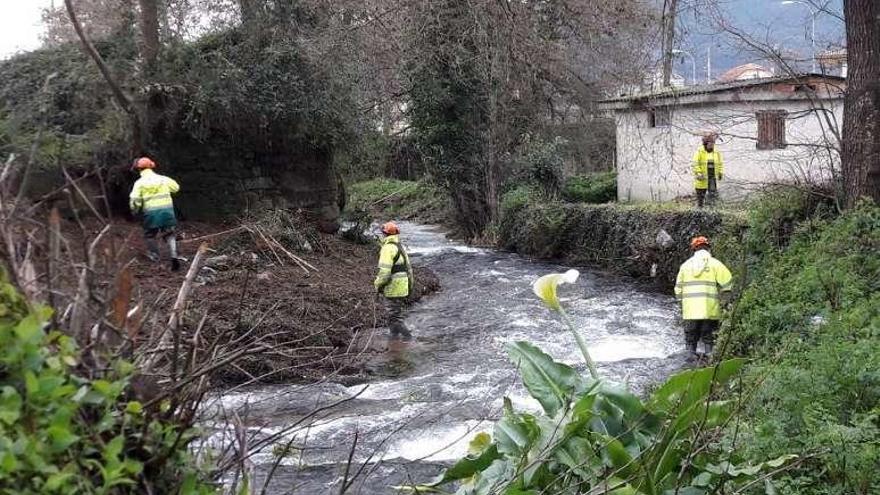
{"x":429,"y":397}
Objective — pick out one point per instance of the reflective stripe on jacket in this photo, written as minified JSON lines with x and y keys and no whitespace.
{"x":395,"y":272}
{"x":152,"y":192}
{"x":700,"y":280}
{"x":701,"y":166}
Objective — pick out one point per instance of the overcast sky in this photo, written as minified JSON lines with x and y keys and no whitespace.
{"x":20,"y":30}
{"x":20,"y":25}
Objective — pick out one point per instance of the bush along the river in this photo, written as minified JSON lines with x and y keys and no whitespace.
{"x":811,"y":318}
{"x":597,"y":437}
{"x":62,"y":433}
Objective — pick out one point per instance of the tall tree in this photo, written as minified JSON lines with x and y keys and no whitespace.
{"x":670,"y":12}
{"x":99,"y":19}
{"x":149,"y":24}
{"x":860,"y":148}
{"x":122,"y":98}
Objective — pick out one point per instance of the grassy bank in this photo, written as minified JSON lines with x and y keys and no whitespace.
{"x":394,"y":199}
{"x":810,"y":315}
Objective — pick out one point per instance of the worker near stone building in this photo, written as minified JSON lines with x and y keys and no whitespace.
{"x":151,"y":197}
{"x":394,"y":280}
{"x":699,"y":286}
{"x":708,"y":168}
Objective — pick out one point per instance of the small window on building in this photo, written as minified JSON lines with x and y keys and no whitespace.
{"x":771,"y":129}
{"x":660,"y":116}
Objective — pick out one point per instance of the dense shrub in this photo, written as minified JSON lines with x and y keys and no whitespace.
{"x":620,"y":237}
{"x":813,"y":315}
{"x":593,"y":188}
{"x":540,"y":166}
{"x":399,"y":200}
{"x":518,"y":197}
{"x":61,"y":432}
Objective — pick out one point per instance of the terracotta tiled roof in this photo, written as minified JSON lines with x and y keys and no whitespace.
{"x":735,"y":73}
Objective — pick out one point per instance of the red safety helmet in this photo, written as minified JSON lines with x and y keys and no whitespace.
{"x":142,"y":163}
{"x":698,"y":242}
{"x":390,"y":228}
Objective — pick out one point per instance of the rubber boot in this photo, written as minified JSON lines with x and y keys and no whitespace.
{"x":172,"y":250}
{"x":152,"y":250}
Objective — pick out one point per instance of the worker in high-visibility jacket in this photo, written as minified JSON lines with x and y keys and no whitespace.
{"x":708,"y":168}
{"x":394,"y":280}
{"x":151,"y":196}
{"x":699,"y":286}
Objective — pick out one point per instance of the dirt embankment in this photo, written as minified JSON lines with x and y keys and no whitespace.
{"x":301,"y":318}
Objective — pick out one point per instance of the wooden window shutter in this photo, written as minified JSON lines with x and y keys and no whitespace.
{"x":771,"y":129}
{"x":763,"y":131}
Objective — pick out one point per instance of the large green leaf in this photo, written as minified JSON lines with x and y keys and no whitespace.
{"x":629,"y":405}
{"x":550,"y":383}
{"x":10,"y":405}
{"x":30,"y":329}
{"x":578,"y":455}
{"x":684,"y":389}
{"x":467,"y":467}
{"x":498,"y":475}
{"x":617,"y":457}
{"x":515,"y":433}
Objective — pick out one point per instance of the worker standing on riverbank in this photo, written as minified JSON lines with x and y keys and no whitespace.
{"x":151,"y":196}
{"x":394,"y":280}
{"x":708,"y":168}
{"x":700,"y":282}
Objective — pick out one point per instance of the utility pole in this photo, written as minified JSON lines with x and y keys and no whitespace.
{"x":670,"y":10}
{"x":813,"y":13}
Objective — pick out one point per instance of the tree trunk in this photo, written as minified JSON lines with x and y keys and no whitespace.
{"x":669,"y":15}
{"x":121,"y":97}
{"x":149,"y":23}
{"x":860,"y":149}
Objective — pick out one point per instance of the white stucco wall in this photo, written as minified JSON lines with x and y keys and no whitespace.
{"x":654,"y":164}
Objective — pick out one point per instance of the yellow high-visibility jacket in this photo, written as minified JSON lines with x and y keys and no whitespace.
{"x":151,"y":195}
{"x":395,"y":276}
{"x":701,"y":166}
{"x":700,"y":280}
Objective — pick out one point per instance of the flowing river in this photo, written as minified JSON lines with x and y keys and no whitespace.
{"x":428,"y":398}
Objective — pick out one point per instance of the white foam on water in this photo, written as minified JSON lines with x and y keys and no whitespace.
{"x":525,"y":322}
{"x":650,"y":313}
{"x":623,"y":347}
{"x":438,"y":443}
{"x":428,"y":250}
{"x":384,"y":390}
{"x":521,"y":402}
{"x":461,"y":378}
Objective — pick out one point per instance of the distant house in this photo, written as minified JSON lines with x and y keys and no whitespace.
{"x":832,"y":61}
{"x":771,"y":130}
{"x":745,"y":72}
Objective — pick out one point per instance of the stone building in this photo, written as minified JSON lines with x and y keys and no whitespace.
{"x":771,"y":130}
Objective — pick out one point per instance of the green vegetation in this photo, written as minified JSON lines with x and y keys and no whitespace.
{"x":808,"y":311}
{"x":811,"y":313}
{"x":64,"y":433}
{"x":621,"y":237}
{"x":593,"y":188}
{"x":400,"y":200}
{"x":598,"y":437}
